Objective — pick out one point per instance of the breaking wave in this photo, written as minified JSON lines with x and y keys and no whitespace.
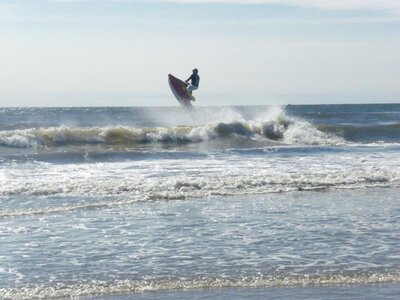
{"x":136,"y":286}
{"x":282,"y":131}
{"x":124,"y":190}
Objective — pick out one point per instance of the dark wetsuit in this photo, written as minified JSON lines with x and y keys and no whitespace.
{"x":195,"y":79}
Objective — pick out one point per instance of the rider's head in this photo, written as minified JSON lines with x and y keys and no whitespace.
{"x":195,"y":71}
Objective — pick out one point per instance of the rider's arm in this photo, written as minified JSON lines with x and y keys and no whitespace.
{"x":188,"y":78}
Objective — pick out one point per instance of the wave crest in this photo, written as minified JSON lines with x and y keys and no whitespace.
{"x":283,"y":130}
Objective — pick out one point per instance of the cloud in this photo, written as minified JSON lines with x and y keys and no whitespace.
{"x":388,"y":5}
{"x":325,"y":4}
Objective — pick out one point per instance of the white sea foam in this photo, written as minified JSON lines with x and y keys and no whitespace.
{"x":301,"y":132}
{"x":135,"y":286}
{"x":196,"y":178}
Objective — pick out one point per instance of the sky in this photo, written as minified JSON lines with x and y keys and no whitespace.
{"x":119,"y":52}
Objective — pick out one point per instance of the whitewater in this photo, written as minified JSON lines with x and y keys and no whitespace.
{"x":117,"y":201}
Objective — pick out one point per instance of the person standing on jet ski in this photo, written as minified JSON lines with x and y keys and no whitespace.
{"x":194,"y":83}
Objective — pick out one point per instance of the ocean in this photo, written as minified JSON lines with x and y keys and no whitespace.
{"x":243,"y":202}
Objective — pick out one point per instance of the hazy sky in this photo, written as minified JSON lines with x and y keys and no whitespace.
{"x":119,"y":52}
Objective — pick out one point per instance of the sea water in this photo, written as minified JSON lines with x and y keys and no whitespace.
{"x":222,"y":202}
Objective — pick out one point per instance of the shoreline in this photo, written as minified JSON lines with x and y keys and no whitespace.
{"x":342,"y":291}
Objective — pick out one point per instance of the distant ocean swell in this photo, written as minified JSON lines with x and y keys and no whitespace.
{"x":131,"y":286}
{"x":375,"y":132}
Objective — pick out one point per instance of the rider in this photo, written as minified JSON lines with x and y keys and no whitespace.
{"x":194,"y":82}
